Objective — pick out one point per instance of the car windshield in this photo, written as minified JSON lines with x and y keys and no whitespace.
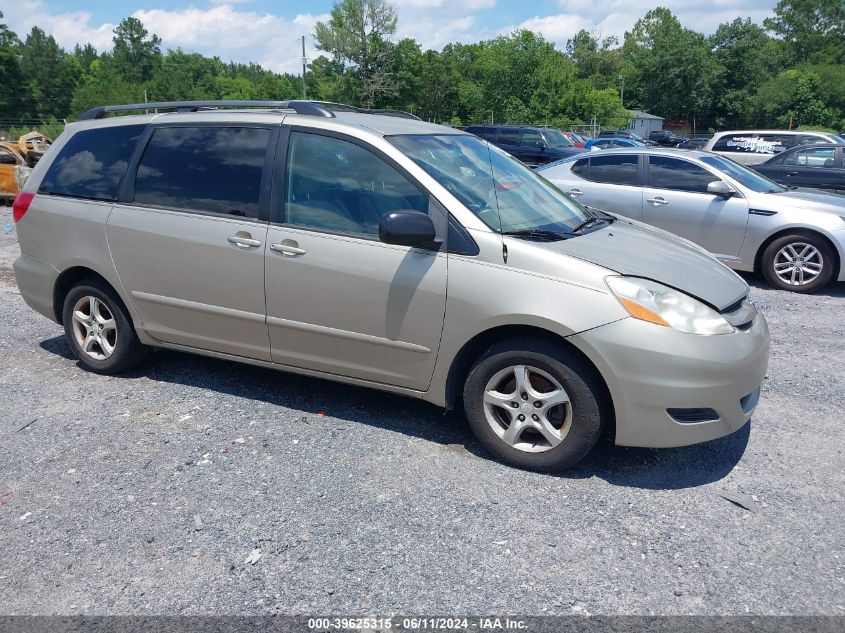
{"x":556,"y":139}
{"x":637,"y":137}
{"x":837,"y":139}
{"x":505,"y":194}
{"x":746,"y":177}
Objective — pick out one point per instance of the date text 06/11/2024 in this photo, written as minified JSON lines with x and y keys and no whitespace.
{"x":415,"y":623}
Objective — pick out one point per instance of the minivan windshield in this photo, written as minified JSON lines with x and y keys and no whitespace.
{"x":505,"y":194}
{"x":746,"y":177}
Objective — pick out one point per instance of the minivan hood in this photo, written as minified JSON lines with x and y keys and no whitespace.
{"x":639,"y":250}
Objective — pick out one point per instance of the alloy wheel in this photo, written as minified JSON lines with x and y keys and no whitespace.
{"x":527,"y":408}
{"x":798,"y":264}
{"x":94,"y":328}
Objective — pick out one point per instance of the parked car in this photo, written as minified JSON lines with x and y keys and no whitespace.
{"x":818,"y":166}
{"x":575,"y":139}
{"x":796,"y":239}
{"x":595,"y":144}
{"x":753,"y":147}
{"x":11,"y":163}
{"x":666,"y":138}
{"x":693,"y":143}
{"x":322,"y":248}
{"x":625,"y":134}
{"x":532,"y":145}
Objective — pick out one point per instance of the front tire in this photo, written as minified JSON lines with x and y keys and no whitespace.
{"x":798,"y":262}
{"x":535,"y":405}
{"x":99,"y":329}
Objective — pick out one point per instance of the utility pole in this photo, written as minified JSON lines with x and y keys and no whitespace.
{"x":622,"y":91}
{"x":304,"y":62}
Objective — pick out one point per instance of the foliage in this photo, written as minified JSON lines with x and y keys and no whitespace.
{"x":790,"y":70}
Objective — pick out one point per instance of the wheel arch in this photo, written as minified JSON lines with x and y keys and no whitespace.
{"x":71,"y":277}
{"x":481,"y":342}
{"x":798,"y":230}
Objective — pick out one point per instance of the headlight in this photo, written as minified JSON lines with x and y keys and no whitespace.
{"x":653,"y":302}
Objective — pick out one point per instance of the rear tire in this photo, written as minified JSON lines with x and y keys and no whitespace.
{"x":798,"y":262}
{"x":99,"y":329}
{"x":535,"y":405}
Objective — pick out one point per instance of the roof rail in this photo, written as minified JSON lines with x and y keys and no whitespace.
{"x":312,"y":108}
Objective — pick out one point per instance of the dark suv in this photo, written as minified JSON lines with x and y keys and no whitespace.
{"x":532,"y":145}
{"x":666,"y":138}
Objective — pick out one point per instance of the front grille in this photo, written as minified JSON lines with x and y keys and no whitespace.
{"x":687,"y":416}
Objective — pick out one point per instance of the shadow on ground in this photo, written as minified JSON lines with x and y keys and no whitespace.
{"x":755,"y":280}
{"x":658,"y":469}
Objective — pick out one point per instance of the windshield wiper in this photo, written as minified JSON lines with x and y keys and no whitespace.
{"x":537,"y":234}
{"x":588,"y":222}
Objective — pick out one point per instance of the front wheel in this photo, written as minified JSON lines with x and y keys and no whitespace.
{"x":798,"y":263}
{"x":534,"y":405}
{"x":99,"y":329}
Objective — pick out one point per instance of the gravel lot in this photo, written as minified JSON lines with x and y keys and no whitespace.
{"x":147,"y":493}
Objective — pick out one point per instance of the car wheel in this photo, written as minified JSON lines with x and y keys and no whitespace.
{"x":798,"y":263}
{"x":99,"y":329}
{"x":534,"y":405}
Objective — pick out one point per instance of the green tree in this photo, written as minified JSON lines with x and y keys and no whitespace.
{"x":357,"y":34}
{"x":814,"y":30}
{"x":15,"y":101}
{"x":50,"y":74}
{"x":85,"y":55}
{"x":793,"y":98}
{"x":136,"y":52}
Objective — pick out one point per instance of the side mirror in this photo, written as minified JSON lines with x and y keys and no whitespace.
{"x":407,"y":228}
{"x":720,"y":188}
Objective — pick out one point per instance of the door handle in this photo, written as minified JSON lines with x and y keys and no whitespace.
{"x":243,"y":241}
{"x":792,"y":173}
{"x":576,"y":192}
{"x":658,"y":201}
{"x":288,"y":247}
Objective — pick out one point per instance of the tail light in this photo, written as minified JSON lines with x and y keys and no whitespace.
{"x":21,"y":205}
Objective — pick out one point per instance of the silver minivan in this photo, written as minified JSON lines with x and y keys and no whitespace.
{"x":752,"y":147}
{"x":389,"y":253}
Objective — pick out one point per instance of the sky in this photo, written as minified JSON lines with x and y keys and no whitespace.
{"x":268,"y":31}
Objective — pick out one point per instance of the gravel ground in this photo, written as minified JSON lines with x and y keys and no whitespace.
{"x":147,"y":493}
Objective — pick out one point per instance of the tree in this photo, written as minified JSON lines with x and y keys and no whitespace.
{"x":85,"y":56}
{"x":357,"y":34}
{"x":673,"y":67}
{"x":813,"y":29}
{"x":15,"y":101}
{"x":136,"y":53}
{"x":50,"y":74}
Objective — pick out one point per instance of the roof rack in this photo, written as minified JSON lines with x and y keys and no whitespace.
{"x":312,"y":108}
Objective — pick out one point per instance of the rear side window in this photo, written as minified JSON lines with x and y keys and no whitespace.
{"x":205,"y":169}
{"x":678,"y":175}
{"x":735,"y":143}
{"x":92,"y":163}
{"x":509,"y":136}
{"x":615,"y":170}
{"x":580,"y":167}
{"x":814,"y":157}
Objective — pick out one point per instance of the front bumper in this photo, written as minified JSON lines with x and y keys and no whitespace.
{"x":650,"y":369}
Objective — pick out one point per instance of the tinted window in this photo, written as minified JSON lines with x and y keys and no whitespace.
{"x":338,"y":186}
{"x":777,"y":143}
{"x":92,"y":163}
{"x":212,"y":169}
{"x":743,"y":143}
{"x":508,"y":136}
{"x":532,"y":138}
{"x":816,"y":157}
{"x":580,"y":167}
{"x":617,"y":170}
{"x":680,"y":175}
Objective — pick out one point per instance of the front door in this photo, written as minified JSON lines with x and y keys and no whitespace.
{"x":188,"y":240}
{"x":338,"y":300}
{"x":677,"y":201}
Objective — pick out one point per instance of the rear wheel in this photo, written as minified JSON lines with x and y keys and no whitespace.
{"x":799,"y":263}
{"x":534,"y":405}
{"x":99,"y":329}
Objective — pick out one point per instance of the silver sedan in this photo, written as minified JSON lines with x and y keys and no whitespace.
{"x":795,"y":238}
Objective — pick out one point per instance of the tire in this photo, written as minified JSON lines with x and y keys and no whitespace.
{"x":112,"y":344}
{"x":561,"y":435}
{"x":816,"y":268}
